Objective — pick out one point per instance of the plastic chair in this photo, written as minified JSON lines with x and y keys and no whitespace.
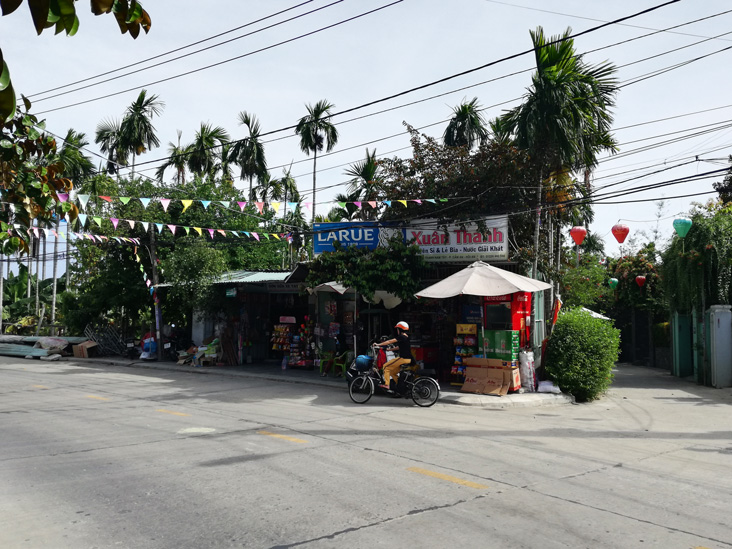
{"x":343,"y":362}
{"x":326,"y":361}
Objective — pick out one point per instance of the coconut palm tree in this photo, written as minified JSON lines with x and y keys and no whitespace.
{"x":365,"y":183}
{"x":565,"y":119}
{"x":109,"y":139}
{"x":248,"y":153}
{"x":286,"y":190}
{"x":204,"y":152}
{"x":467,"y":125}
{"x":316,"y":131}
{"x":267,"y":189}
{"x":177,"y":158}
{"x":348,"y":211}
{"x":137,"y":133}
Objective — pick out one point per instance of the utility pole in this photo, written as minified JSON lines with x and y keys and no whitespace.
{"x":158,"y":319}
{"x":55,"y":278}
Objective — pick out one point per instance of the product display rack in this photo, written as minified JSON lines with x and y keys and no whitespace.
{"x":465,"y":346}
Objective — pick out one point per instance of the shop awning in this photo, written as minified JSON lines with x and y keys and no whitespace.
{"x":484,"y":280}
{"x":238,"y":277}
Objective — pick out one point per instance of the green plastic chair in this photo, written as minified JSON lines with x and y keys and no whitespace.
{"x":326,"y":361}
{"x":343,"y":362}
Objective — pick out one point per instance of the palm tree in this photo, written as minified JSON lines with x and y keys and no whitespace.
{"x":78,"y":167}
{"x":316,"y":131}
{"x":248,"y":153}
{"x":365,"y":183}
{"x":348,"y":212}
{"x":267,"y":189}
{"x":136,"y":131}
{"x":467,"y":125}
{"x":202,"y":153}
{"x":176,"y":160}
{"x":565,"y":119}
{"x":108,"y":138}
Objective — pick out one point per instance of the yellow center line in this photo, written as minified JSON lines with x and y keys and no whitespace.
{"x":96,"y":397}
{"x":172,"y":413}
{"x":40,"y":386}
{"x":448,"y":478}
{"x":283,"y":437}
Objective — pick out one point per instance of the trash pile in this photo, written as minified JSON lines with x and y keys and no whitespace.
{"x":45,"y":348}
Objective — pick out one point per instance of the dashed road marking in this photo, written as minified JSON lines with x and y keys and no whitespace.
{"x":162,"y":411}
{"x":448,"y":478}
{"x":283,"y":437}
{"x":96,"y":397}
{"x":40,"y":386}
{"x":196,"y":430}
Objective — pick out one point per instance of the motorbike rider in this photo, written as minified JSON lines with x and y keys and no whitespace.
{"x":404,"y":356}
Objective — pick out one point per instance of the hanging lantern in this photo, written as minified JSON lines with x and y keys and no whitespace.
{"x":613,"y":283}
{"x":682,"y":226}
{"x":620,"y":231}
{"x":578,"y":234}
{"x":640,"y":280}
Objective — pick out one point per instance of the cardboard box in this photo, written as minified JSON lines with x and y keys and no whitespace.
{"x":85,"y":349}
{"x":486,"y":381}
{"x":467,"y":329}
{"x":513,"y":378}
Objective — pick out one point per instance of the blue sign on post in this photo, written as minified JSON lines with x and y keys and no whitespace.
{"x":363,"y":234}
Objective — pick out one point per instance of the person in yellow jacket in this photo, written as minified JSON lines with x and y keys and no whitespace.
{"x":404,"y":355}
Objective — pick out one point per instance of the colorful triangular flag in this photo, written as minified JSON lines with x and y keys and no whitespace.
{"x":198,"y":230}
{"x":83,"y":199}
{"x":114,"y":221}
{"x":124,"y":199}
{"x":225,"y":203}
{"x":145,"y":202}
{"x":172,"y":228}
{"x":211,"y":232}
{"x":206,"y":203}
{"x":276,"y":206}
{"x":82,"y":219}
{"x":159,"y":226}
{"x":260,"y":206}
{"x":106,"y":198}
{"x":402,"y":202}
{"x":63,"y":197}
{"x":145,"y":225}
{"x":97,"y":220}
{"x":165,"y":202}
{"x":186,"y":204}
{"x":256,"y":236}
{"x":132,"y":223}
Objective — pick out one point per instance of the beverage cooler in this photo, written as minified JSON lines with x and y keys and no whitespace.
{"x":510,"y":312}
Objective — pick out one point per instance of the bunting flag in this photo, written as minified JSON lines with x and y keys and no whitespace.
{"x":260,"y":206}
{"x":186,"y":204}
{"x":54,"y":233}
{"x":106,"y":198}
{"x":206,"y":203}
{"x":235,"y":234}
{"x":256,"y":236}
{"x":242,"y":205}
{"x":148,"y":282}
{"x":403,"y":202}
{"x":165,"y":202}
{"x":187,"y":229}
{"x":172,"y":228}
{"x":266,"y":235}
{"x":63,"y":197}
{"x":211,"y":232}
{"x":132,"y":223}
{"x":358,"y":205}
{"x":221,"y":231}
{"x":372,"y":203}
{"x":97,"y":220}
{"x":442,"y":199}
{"x":145,"y":202}
{"x":246,"y":233}
{"x":418,"y":201}
{"x":145,"y":225}
{"x":114,"y":221}
{"x":198,"y":230}
{"x":159,"y":226}
{"x":308,"y":205}
{"x":431,"y":200}
{"x":292,"y":205}
{"x":342,"y":204}
{"x":276,"y":236}
{"x":276,"y":207}
{"x":124,"y":199}
{"x":225,"y":203}
{"x":388,"y":203}
{"x":83,"y":199}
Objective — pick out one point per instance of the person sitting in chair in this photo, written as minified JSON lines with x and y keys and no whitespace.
{"x":404,"y":355}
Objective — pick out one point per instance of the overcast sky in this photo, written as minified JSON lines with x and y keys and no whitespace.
{"x":404,"y":45}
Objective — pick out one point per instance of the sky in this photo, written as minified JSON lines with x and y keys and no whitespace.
{"x":402,"y":45}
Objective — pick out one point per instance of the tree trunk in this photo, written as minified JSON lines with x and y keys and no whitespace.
{"x":2,"y":291}
{"x":315,"y":163}
{"x":68,"y":262}
{"x":38,"y":278}
{"x":55,"y":279}
{"x":537,"y":225}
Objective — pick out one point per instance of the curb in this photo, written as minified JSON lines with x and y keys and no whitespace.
{"x":487,"y":402}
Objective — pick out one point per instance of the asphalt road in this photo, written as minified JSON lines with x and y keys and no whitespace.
{"x":100,"y":456}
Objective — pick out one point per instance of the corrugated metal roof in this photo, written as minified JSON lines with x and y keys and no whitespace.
{"x":236,"y":277}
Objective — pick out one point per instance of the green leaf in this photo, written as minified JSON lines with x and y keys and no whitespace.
{"x":135,"y":13}
{"x":9,"y":6}
{"x":27,"y":121}
{"x":40,"y":10}
{"x":5,"y":144}
{"x":33,"y":134}
{"x":4,"y":76}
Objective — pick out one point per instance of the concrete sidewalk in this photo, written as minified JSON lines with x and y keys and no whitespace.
{"x":273,"y":372}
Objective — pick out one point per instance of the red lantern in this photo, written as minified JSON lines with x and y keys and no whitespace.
{"x":578,"y":235}
{"x":640,"y":280}
{"x":620,"y":231}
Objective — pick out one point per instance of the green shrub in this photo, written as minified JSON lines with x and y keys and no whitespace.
{"x":581,"y":353}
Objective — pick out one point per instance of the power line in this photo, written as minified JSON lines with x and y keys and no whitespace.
{"x":137,"y":63}
{"x":193,"y":71}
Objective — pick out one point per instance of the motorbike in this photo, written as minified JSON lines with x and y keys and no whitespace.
{"x":365,"y":379}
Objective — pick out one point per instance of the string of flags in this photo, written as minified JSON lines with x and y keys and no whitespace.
{"x":83,"y":200}
{"x":148,"y":281}
{"x":36,"y":232}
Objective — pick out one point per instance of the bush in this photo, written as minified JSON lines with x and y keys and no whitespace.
{"x":581,"y":353}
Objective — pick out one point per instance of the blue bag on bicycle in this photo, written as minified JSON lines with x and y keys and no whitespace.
{"x":363,"y":362}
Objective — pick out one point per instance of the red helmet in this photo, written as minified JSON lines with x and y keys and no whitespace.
{"x":402,"y":326}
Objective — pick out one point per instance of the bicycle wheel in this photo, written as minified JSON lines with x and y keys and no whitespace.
{"x":425,"y":392}
{"x":361,"y":389}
